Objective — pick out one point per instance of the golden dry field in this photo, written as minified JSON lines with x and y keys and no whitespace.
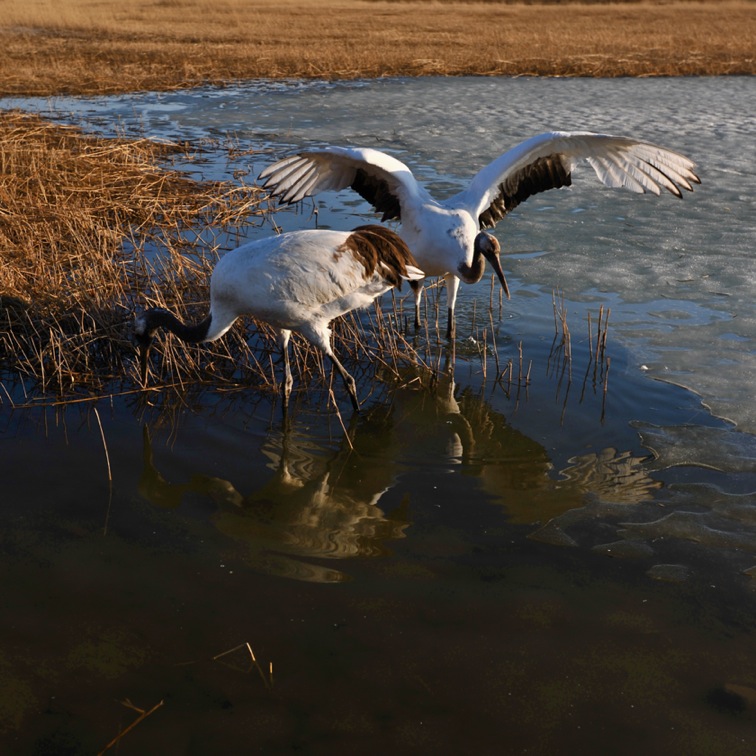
{"x":85,"y":46}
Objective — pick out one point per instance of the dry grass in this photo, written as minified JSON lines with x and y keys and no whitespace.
{"x":82,"y":46}
{"x":77,"y":216}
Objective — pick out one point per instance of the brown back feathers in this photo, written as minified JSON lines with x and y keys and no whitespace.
{"x":375,"y":246}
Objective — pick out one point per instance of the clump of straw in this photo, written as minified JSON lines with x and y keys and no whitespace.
{"x":78,"y":215}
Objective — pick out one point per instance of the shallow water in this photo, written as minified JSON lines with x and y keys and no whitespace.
{"x":479,"y":567}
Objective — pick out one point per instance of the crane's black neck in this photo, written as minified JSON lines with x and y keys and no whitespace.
{"x":474,"y":272}
{"x":160,"y":318}
{"x":150,"y":320}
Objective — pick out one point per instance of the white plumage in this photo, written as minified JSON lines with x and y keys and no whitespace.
{"x":299,"y":281}
{"x":444,"y":236}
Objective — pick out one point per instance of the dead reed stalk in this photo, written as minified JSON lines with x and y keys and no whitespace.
{"x":143,"y":714}
{"x":560,"y":322}
{"x":521,"y":379}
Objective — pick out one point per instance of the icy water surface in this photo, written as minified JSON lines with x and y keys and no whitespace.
{"x":476,"y":568}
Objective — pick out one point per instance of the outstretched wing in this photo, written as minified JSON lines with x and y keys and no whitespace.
{"x":383,"y":181}
{"x":547,"y":161}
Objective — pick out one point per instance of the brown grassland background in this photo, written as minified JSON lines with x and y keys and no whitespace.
{"x":77,"y":212}
{"x":88,"y":46}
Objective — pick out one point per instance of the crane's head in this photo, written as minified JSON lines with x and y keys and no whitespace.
{"x":143,"y":330}
{"x":489,"y":247}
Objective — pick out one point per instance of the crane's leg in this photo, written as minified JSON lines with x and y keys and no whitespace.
{"x":321,"y":337}
{"x":417,"y":290}
{"x":452,"y":284}
{"x":351,"y":387}
{"x":288,"y":381}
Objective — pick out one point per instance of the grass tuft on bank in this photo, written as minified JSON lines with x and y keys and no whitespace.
{"x":79,"y":215}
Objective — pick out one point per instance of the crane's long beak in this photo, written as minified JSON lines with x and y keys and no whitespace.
{"x":493,"y":258}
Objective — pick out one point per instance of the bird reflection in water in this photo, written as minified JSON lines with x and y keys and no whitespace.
{"x":517,"y":472}
{"x":313,"y":506}
{"x":326,"y":504}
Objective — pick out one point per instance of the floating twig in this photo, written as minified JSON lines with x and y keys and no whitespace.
{"x":142,"y":716}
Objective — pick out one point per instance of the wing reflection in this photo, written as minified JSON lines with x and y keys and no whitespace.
{"x":612,"y":477}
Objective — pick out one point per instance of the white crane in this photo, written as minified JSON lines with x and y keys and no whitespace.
{"x":298,"y":281}
{"x":446,"y":237}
